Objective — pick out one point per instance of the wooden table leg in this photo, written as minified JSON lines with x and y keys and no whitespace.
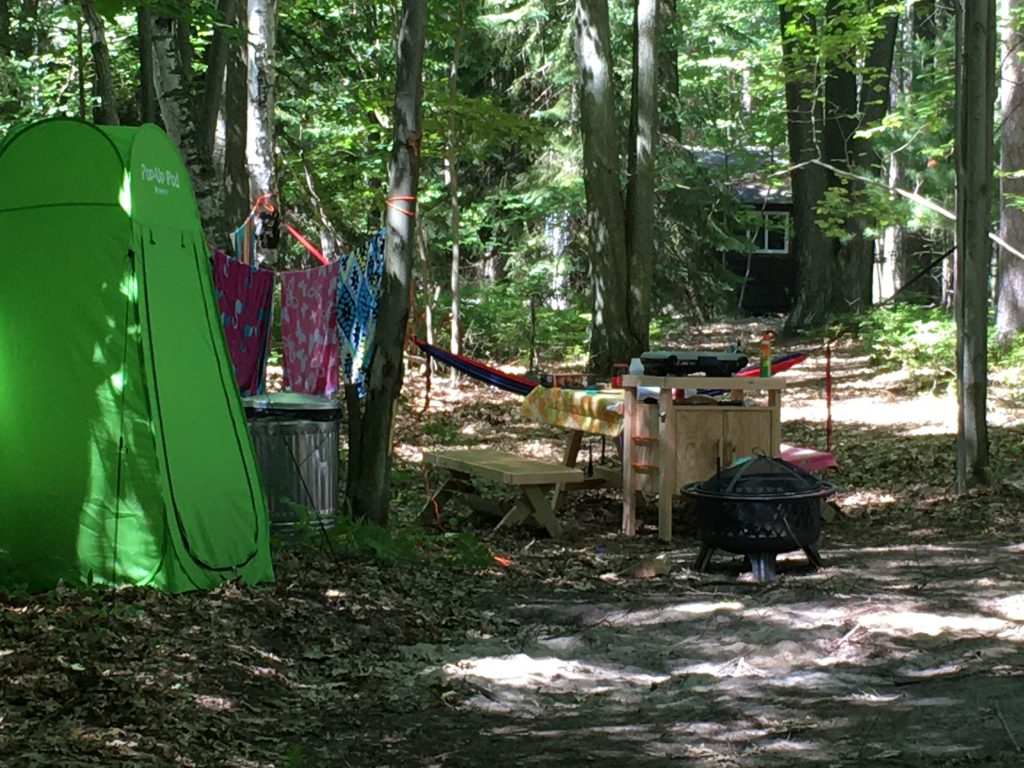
{"x":629,"y":416}
{"x":533,"y":501}
{"x":666,"y":463}
{"x":461,"y":485}
{"x":775,"y":403}
{"x":572,"y":452}
{"x":519,"y":512}
{"x":541,"y":509}
{"x":432,"y":509}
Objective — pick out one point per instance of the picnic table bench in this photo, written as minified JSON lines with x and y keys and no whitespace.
{"x":533,"y":476}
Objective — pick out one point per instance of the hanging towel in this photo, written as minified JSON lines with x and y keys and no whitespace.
{"x":243,"y":240}
{"x":358,"y":298}
{"x":309,"y":329}
{"x":245,"y":297}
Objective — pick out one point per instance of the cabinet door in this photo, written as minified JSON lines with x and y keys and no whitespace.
{"x":698,"y":443}
{"x":745,"y":430}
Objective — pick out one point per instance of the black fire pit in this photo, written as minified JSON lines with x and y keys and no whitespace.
{"x":759,"y":508}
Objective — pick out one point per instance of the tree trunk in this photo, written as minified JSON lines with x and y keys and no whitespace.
{"x":451,"y":163}
{"x":177,"y":109}
{"x":148,"y":110}
{"x":426,"y":288}
{"x":1010,"y":275}
{"x":840,"y":95}
{"x":106,"y":114}
{"x":26,"y":41}
{"x":260,"y":146}
{"x":5,"y":27}
{"x":236,"y":120}
{"x":610,"y":340}
{"x":183,"y":40}
{"x":814,"y":251}
{"x":871,"y":102}
{"x":169,"y":84}
{"x":79,"y":67}
{"x":668,"y":70}
{"x":643,"y":132}
{"x":213,"y":86}
{"x":369,"y":480}
{"x":975,"y":95}
{"x":913,"y":246}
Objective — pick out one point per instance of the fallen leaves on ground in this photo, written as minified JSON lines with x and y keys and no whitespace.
{"x":320,"y":667}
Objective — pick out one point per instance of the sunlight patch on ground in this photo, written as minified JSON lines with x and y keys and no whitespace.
{"x":914,"y":549}
{"x":733,"y":668}
{"x":872,"y":697}
{"x":722,"y":732}
{"x":1010,"y":608}
{"x":932,"y":624}
{"x":812,"y":617}
{"x":868,"y":498}
{"x":538,"y":449}
{"x":409,"y":453}
{"x":257,"y":671}
{"x":523,"y":671}
{"x":926,"y":415}
{"x":214,"y":703}
{"x":667,"y":614}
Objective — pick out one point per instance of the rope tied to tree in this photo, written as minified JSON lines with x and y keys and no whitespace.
{"x":393,"y":203}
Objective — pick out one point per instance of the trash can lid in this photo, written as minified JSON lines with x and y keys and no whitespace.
{"x":292,"y":404}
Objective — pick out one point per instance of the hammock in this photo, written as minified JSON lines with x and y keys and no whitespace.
{"x":510,"y":382}
{"x":520,"y":385}
{"x":779,"y":363}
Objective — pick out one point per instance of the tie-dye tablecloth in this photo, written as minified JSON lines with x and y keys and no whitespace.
{"x":598,"y":412}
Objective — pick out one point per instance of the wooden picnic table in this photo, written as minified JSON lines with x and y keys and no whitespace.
{"x":533,"y":476}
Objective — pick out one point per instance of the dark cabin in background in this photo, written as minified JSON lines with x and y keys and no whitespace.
{"x":768,"y":270}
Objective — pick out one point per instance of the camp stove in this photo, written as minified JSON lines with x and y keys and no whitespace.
{"x":759,"y":508}
{"x":683,"y":362}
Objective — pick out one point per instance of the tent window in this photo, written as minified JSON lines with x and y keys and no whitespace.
{"x":773,"y":234}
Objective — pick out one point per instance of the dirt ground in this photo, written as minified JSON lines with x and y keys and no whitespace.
{"x":906,"y":649}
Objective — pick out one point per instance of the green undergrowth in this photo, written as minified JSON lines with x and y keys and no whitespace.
{"x":921,"y":340}
{"x":409,"y":543}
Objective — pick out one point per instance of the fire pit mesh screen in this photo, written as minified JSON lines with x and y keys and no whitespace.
{"x":760,"y":479}
{"x":759,"y":508}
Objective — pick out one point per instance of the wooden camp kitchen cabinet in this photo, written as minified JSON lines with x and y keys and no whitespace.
{"x":668,"y":444}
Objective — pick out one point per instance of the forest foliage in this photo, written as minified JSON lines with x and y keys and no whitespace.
{"x":524,"y":247}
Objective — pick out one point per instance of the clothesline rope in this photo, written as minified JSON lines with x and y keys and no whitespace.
{"x":392,"y":202}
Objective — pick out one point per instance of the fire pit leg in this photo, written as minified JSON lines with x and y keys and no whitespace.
{"x":703,"y":558}
{"x":763,"y":565}
{"x":813,"y":557}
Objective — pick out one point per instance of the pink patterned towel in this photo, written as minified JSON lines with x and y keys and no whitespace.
{"x":245,"y":298}
{"x":309,"y":329}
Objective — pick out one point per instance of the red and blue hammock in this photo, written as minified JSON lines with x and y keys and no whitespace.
{"x":510,"y":382}
{"x":808,"y":458}
{"x":522,"y":385}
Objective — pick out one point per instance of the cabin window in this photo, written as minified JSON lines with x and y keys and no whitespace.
{"x":773,"y":234}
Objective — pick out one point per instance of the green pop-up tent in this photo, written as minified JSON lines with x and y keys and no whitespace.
{"x":124,"y":454}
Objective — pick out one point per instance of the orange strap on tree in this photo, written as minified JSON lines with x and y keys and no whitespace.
{"x":394,"y":200}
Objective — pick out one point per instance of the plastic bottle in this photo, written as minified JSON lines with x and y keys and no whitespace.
{"x":766,"y":354}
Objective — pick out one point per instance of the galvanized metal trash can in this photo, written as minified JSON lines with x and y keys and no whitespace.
{"x":295,"y":437}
